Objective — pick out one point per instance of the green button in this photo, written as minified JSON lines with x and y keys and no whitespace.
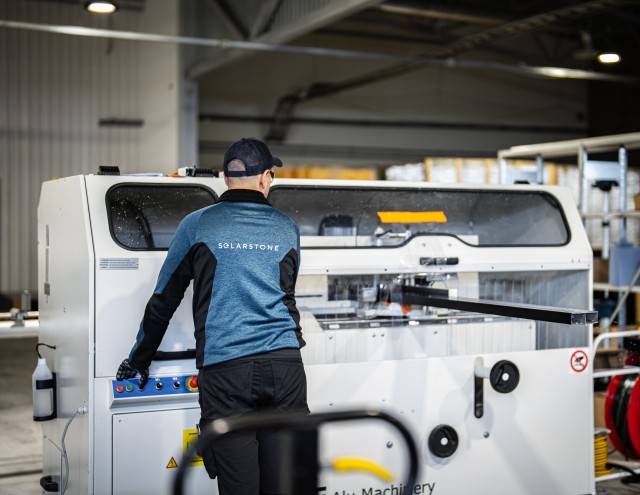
{"x":129,"y":388}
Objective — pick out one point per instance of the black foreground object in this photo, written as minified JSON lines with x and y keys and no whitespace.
{"x":302,"y":428}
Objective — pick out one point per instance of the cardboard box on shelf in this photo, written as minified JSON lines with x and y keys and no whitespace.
{"x":600,"y":270}
{"x":611,"y":357}
{"x":599,"y":399}
{"x":636,"y":201}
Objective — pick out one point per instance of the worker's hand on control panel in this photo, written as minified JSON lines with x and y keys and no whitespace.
{"x":126,"y":371}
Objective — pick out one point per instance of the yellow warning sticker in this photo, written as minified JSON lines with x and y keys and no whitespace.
{"x":189,"y":437}
{"x":412,"y":216}
{"x":172,"y":464}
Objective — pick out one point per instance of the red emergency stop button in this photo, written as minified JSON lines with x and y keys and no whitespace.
{"x":192,"y":383}
{"x":119,"y":389}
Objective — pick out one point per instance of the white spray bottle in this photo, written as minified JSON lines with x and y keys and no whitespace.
{"x":43,"y":388}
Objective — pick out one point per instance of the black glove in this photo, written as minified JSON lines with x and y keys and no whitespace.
{"x":126,"y":371}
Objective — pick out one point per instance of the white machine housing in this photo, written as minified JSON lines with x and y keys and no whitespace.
{"x":100,"y":250}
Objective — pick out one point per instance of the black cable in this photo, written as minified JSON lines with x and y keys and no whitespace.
{"x":47,"y":345}
{"x":292,"y":421}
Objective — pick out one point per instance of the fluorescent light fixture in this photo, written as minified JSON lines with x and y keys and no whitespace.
{"x":609,"y":58}
{"x":101,"y":7}
{"x":555,"y":72}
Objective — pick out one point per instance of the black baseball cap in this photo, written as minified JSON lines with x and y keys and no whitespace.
{"x":255,"y":156}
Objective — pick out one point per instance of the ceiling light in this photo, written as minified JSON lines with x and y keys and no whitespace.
{"x":609,"y":58}
{"x":101,"y":7}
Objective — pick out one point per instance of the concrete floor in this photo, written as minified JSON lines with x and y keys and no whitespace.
{"x":21,"y":437}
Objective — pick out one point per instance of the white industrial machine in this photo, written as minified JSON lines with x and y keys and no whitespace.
{"x":465,"y":311}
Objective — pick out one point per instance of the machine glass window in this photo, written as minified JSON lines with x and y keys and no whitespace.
{"x":350,"y":217}
{"x":146,"y":216}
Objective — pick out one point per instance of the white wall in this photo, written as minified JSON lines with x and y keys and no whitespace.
{"x":54,"y":89}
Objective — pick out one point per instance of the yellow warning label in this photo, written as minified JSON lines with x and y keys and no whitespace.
{"x":412,"y":216}
{"x":172,"y":464}
{"x":189,"y":437}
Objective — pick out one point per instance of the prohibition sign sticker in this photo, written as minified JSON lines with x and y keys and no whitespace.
{"x":579,"y":361}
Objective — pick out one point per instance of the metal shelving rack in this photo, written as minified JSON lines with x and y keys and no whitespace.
{"x":590,"y":170}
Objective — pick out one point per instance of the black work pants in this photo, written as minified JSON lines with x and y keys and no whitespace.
{"x":248,"y":463}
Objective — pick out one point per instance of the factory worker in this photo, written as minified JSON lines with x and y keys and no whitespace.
{"x":243,"y":256}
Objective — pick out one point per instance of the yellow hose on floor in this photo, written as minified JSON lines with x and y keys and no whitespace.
{"x":601,"y":453}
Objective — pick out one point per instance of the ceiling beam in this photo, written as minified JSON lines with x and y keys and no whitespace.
{"x":230,"y":20}
{"x":268,"y":10}
{"x":441,"y":15}
{"x":304,"y":25}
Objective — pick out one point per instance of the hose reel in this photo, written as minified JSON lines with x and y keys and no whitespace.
{"x":622,"y":414}
{"x":622,"y":406}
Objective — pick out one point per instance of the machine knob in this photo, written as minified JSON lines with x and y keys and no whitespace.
{"x":159,"y":386}
{"x":443,"y":441}
{"x":504,"y":377}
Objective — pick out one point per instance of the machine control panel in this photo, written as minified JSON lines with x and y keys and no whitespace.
{"x":160,"y":388}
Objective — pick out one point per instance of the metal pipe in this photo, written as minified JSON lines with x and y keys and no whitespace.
{"x":631,"y":370}
{"x":28,"y":315}
{"x":610,"y":335}
{"x":224,"y":44}
{"x":622,"y":160}
{"x":482,"y":371}
{"x":440,"y":15}
{"x":502,"y":162}
{"x":539,"y":169}
{"x":583,"y":157}
{"x":193,"y":41}
{"x":545,"y":129}
{"x":606,"y":226}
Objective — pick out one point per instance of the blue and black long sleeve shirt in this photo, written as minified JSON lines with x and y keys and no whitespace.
{"x":243,"y":256}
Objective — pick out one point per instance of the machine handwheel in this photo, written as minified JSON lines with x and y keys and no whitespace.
{"x":504,"y":377}
{"x":443,"y":441}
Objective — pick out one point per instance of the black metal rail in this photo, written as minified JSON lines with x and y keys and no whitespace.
{"x":440,"y":298}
